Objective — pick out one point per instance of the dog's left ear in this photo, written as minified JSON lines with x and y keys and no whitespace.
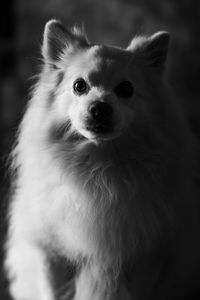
{"x":57,"y":41}
{"x":153,"y":49}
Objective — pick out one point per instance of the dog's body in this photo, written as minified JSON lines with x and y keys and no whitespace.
{"x":110,"y":188}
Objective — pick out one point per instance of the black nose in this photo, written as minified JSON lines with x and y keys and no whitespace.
{"x":100,"y":111}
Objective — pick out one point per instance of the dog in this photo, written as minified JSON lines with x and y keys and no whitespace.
{"x":105,"y":177}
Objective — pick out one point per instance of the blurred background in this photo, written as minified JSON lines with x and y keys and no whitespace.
{"x":106,"y":21}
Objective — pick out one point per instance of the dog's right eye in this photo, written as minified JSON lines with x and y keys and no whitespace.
{"x":80,"y":86}
{"x":124,"y":89}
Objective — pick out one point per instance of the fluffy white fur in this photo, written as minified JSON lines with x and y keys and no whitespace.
{"x":121,"y":207}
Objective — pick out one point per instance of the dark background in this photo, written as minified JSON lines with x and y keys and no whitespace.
{"x":106,"y":21}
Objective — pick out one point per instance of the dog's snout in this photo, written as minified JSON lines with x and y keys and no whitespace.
{"x":100,"y":111}
{"x":100,"y":119}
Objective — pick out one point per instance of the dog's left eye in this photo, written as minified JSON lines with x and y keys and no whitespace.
{"x":80,"y":86}
{"x":124,"y":89}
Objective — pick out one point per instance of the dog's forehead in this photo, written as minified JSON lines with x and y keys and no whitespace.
{"x":107,"y":56}
{"x":104,"y":61}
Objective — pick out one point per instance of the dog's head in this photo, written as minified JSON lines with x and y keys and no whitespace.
{"x":100,"y":90}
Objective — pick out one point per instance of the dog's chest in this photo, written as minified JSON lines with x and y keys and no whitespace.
{"x":81,"y":222}
{"x":67,"y":219}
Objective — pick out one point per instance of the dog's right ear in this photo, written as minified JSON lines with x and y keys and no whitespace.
{"x":57,"y":40}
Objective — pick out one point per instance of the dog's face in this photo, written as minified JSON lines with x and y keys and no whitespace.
{"x":99,"y":93}
{"x":100,"y":90}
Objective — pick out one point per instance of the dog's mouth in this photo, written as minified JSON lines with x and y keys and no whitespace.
{"x":99,"y":129}
{"x":96,"y":131}
{"x":89,"y":130}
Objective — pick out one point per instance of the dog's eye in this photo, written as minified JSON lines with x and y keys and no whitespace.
{"x":124,"y":89}
{"x":80,"y":86}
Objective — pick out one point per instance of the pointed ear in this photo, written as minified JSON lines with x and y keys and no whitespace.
{"x":153,"y":49}
{"x":57,"y":40}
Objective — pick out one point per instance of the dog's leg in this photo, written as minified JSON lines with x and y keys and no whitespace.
{"x":92,"y":285}
{"x":89,"y":286}
{"x":28,"y":273}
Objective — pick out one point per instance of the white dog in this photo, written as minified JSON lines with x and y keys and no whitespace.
{"x":105,"y":177}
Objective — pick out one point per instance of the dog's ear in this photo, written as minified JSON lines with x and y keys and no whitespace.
{"x":153,"y":49}
{"x":57,"y":40}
